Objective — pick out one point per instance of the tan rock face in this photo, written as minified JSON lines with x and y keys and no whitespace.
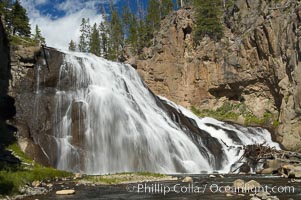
{"x":256,"y":62}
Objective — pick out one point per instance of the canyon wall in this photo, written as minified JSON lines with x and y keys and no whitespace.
{"x":256,"y":65}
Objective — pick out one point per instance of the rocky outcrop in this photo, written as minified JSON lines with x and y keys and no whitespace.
{"x":35,"y":103}
{"x":256,"y":64}
{"x":22,"y":59}
{"x":7,"y":108}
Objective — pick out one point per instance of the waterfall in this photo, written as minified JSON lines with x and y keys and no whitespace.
{"x":106,"y":120}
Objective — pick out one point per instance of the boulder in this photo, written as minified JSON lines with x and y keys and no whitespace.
{"x":263,"y":195}
{"x":267,"y":171}
{"x":187,"y":179}
{"x":65,"y":192}
{"x":252,"y":184}
{"x":295,"y":172}
{"x":36,"y":183}
{"x":239,"y":184}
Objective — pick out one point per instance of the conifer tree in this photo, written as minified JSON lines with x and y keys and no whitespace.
{"x":153,"y":16}
{"x":166,"y":6}
{"x":133,"y":32}
{"x":95,"y":41}
{"x":72,"y":46}
{"x":116,"y":36}
{"x":104,"y":32}
{"x":83,"y":45}
{"x":19,"y":20}
{"x":38,"y":36}
{"x":130,"y":25}
{"x":208,"y":19}
{"x":144,"y":35}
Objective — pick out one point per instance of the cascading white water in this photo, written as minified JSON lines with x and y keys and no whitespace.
{"x":107,"y":121}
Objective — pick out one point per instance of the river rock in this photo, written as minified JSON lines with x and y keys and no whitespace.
{"x":65,"y":192}
{"x":255,"y":198}
{"x":267,"y":171}
{"x":187,"y":179}
{"x":273,"y":164}
{"x":212,"y":176}
{"x":295,"y":172}
{"x":239,"y":184}
{"x":35,"y":183}
{"x":78,"y":175}
{"x":263,"y":195}
{"x":252,"y":184}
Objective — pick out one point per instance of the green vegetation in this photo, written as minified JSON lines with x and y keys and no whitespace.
{"x":12,"y":179}
{"x":21,"y":40}
{"x":123,"y":30}
{"x":17,"y":25}
{"x":225,"y":112}
{"x":38,"y":36}
{"x":72,"y":46}
{"x":18,"y":20}
{"x":208,"y":16}
{"x":231,"y":112}
{"x":95,"y":41}
{"x":123,"y":177}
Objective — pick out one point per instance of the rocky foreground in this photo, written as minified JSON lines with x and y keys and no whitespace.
{"x":129,"y":186}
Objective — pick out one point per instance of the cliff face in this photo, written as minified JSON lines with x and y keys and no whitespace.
{"x":34,"y":90}
{"x":7,"y":109}
{"x":256,"y":63}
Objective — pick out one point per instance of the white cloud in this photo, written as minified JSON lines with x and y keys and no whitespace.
{"x":59,"y":31}
{"x":40,"y":2}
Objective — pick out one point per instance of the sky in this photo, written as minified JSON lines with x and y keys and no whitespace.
{"x":59,"y":20}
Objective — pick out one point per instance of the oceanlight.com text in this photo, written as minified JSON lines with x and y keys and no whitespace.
{"x":160,"y":188}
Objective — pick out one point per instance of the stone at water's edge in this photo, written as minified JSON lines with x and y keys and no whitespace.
{"x":252,"y":184}
{"x":239,"y":184}
{"x":65,"y":192}
{"x":187,"y":179}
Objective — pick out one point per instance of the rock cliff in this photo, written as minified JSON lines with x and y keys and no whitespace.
{"x":256,"y":65}
{"x":7,"y":108}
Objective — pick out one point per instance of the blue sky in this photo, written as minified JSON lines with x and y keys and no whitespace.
{"x":59,"y":20}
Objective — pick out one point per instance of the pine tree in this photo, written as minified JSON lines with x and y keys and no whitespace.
{"x":104,"y":31}
{"x":38,"y":36}
{"x":153,"y":16}
{"x":72,"y":46}
{"x":5,"y":14}
{"x":19,"y":20}
{"x":208,"y":19}
{"x":133,"y":32}
{"x":144,"y":36}
{"x":95,"y":41}
{"x":83,"y":45}
{"x":166,"y":6}
{"x":130,"y":25}
{"x":116,"y":36}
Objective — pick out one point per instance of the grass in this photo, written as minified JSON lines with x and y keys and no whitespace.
{"x":12,"y":179}
{"x":226,"y":112}
{"x":24,"y":41}
{"x":123,"y":177}
{"x":231,"y":112}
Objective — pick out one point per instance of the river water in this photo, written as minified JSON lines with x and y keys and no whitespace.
{"x":203,"y":187}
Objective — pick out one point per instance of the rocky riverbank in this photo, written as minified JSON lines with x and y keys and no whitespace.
{"x":213,"y":186}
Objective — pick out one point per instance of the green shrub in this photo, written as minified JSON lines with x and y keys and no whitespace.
{"x":12,"y":179}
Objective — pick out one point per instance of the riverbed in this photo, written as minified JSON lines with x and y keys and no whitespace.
{"x":213,"y":187}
